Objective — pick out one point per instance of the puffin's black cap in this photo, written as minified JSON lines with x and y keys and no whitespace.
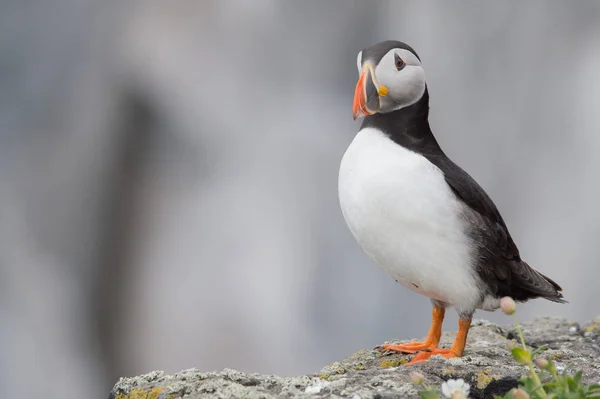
{"x":377,"y":51}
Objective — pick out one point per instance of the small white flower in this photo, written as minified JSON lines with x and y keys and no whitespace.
{"x":455,"y":388}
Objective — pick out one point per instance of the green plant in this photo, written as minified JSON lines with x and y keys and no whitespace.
{"x":559,"y":385}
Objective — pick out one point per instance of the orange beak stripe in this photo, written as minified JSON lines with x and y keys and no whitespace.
{"x":366,"y":96}
{"x":360,"y":98}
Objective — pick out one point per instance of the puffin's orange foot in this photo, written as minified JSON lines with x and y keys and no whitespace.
{"x":423,"y":356}
{"x":410,"y":347}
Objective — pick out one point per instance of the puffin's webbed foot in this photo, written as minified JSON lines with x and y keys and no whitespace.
{"x":457,"y":349}
{"x":423,"y":356}
{"x":432,"y":340}
{"x":410,"y":347}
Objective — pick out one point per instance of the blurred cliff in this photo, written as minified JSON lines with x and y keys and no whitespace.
{"x":168,"y":176}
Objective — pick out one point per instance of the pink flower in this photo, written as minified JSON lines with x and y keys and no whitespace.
{"x":541,"y":363}
{"x":508,"y":305}
{"x":518,"y":393}
{"x":416,"y":377}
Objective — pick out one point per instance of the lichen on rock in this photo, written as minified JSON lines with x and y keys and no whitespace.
{"x":487,"y":366}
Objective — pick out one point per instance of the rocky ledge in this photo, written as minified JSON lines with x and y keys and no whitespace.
{"x":487,"y":366}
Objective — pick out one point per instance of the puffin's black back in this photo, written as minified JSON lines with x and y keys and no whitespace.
{"x":498,"y":262}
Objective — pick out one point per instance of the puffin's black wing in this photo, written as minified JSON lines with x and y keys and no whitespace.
{"x":499,"y":264}
{"x":473,"y":195}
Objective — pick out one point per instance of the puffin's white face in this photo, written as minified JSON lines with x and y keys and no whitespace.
{"x":395,"y":82}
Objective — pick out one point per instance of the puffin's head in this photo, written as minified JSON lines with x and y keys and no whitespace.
{"x":391,"y":78}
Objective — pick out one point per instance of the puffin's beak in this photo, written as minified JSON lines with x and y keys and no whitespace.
{"x":366,"y":95}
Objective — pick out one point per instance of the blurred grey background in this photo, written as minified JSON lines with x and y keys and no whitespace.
{"x":168,"y":176}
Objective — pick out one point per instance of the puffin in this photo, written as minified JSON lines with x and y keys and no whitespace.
{"x":418,"y":215}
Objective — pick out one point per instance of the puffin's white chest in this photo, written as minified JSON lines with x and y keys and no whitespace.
{"x":400,"y":209}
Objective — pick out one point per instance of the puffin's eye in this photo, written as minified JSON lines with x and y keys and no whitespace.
{"x":400,"y":64}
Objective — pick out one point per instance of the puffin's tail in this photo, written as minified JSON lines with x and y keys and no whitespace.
{"x":536,"y":284}
{"x":557,"y":295}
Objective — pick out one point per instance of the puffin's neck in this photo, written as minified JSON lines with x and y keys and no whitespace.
{"x":407,"y":126}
